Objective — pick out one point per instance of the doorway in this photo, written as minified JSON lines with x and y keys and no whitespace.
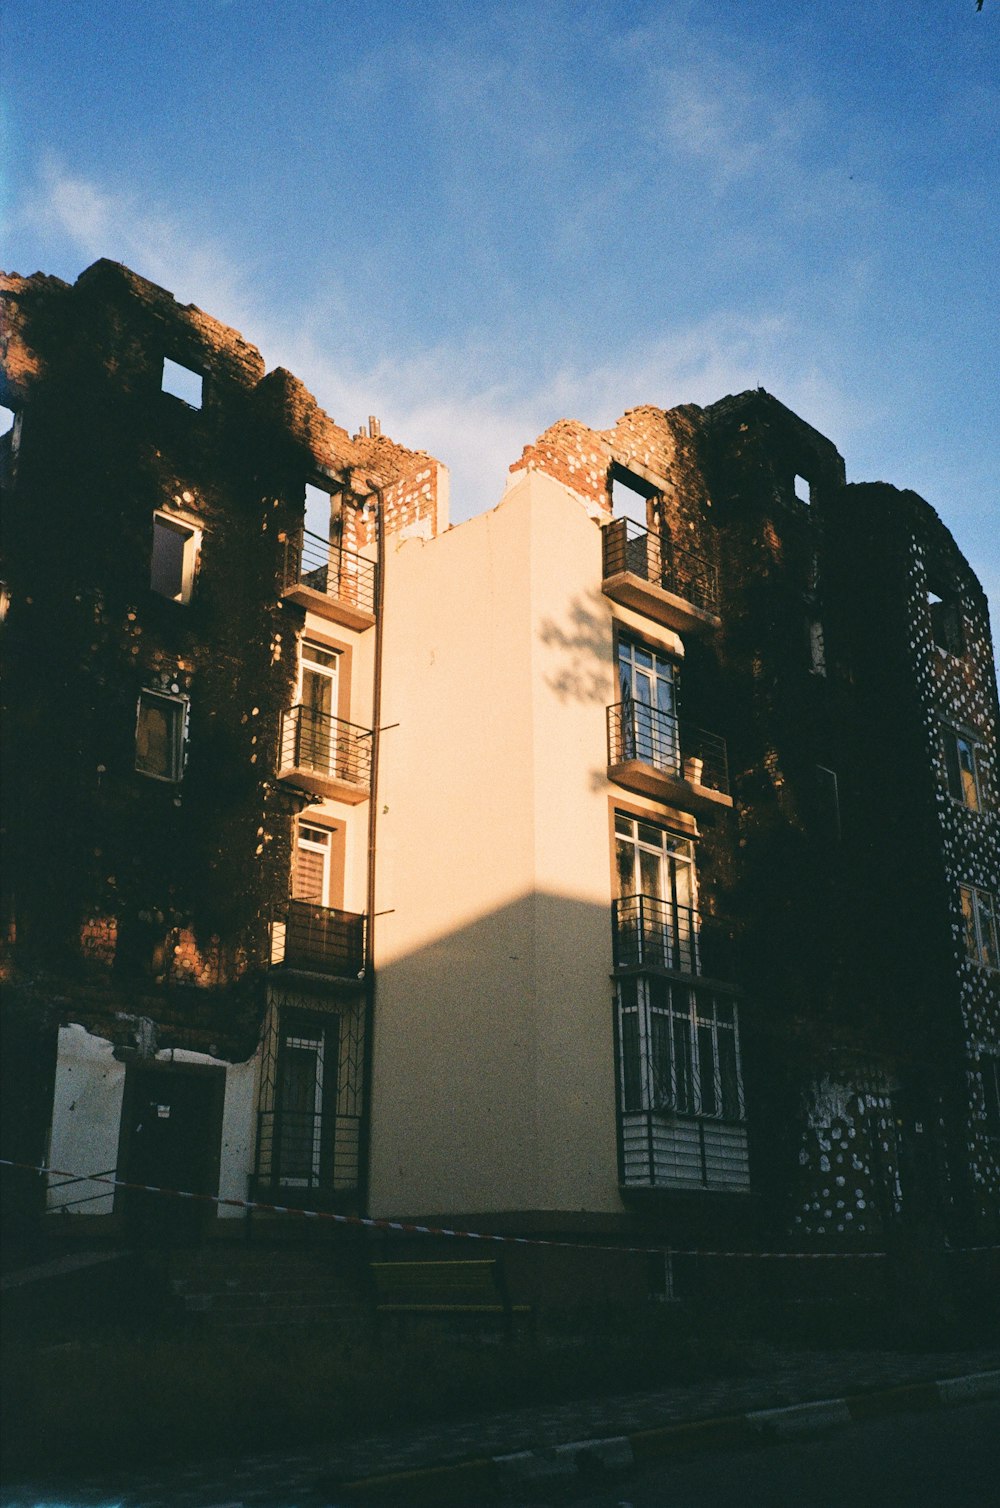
{"x":171,"y":1132}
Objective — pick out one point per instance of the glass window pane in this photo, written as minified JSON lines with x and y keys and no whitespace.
{"x":631,"y":1072}
{"x":659,"y":1051}
{"x":706,"y":1071}
{"x":969,"y":920}
{"x":682,"y":1064}
{"x":625,"y":859}
{"x":967,"y":774}
{"x":988,"y":929}
{"x":728,"y":1074}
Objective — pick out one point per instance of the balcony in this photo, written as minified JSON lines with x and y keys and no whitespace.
{"x":300,"y":1150}
{"x":657,"y":755}
{"x":335,"y":583}
{"x":325,"y":755}
{"x":320,"y":940}
{"x":662,"y":580}
{"x":649,"y":933}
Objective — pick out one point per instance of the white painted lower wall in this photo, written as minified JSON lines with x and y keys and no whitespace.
{"x":86,"y":1121}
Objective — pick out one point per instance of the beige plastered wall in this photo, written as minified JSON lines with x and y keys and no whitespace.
{"x":493,"y":1063}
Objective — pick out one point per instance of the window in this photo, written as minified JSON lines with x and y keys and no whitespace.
{"x":656,"y":920}
{"x":311,"y":871}
{"x":980,"y":926}
{"x":159,"y":736}
{"x":181,"y":382}
{"x":945,"y":611}
{"x":989,"y":1067}
{"x":679,"y":1050}
{"x":318,"y":698}
{"x":827,"y":805}
{"x":630,"y":496}
{"x":965,"y":766}
{"x":307,"y":1094}
{"x":318,"y":516}
{"x":173,"y":558}
{"x":7,"y":417}
{"x":802,"y":489}
{"x":817,"y":648}
{"x":648,"y":707}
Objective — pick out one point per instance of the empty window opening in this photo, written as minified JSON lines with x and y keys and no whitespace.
{"x":7,"y":417}
{"x":630,"y":496}
{"x":803,"y":489}
{"x":946,"y":619}
{"x":181,"y":382}
{"x":173,"y":559}
{"x":319,"y":510}
{"x":159,"y":736}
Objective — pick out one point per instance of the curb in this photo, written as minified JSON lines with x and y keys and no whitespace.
{"x":482,"y":1479}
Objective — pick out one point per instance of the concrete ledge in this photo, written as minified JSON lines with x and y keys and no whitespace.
{"x":483,"y":1479}
{"x":800,"y":1418}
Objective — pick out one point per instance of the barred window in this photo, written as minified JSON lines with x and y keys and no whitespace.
{"x":679,"y":1049}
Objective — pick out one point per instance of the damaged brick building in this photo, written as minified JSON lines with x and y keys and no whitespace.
{"x":622,"y":860}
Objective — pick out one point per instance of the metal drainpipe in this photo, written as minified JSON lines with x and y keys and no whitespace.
{"x":364,"y":1169}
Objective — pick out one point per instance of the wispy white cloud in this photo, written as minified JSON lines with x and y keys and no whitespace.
{"x":467,"y":404}
{"x":97,"y":221}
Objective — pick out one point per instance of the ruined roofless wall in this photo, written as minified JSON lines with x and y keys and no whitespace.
{"x":414,"y":483}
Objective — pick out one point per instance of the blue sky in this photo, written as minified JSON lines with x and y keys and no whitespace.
{"x":474,"y":219}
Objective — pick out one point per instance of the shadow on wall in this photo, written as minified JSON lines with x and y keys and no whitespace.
{"x":587,"y":642}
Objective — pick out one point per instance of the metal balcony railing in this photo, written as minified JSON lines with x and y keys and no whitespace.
{"x":303,"y":1150}
{"x":638,"y":731}
{"x":653,"y":933}
{"x":320,"y":940}
{"x":328,"y":568}
{"x":327,"y":746}
{"x":629,"y":547}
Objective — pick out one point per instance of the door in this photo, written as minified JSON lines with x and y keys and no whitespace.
{"x":657,"y":919}
{"x":171,"y":1135}
{"x":318,"y":699}
{"x":648,"y":707}
{"x":308,"y":1060}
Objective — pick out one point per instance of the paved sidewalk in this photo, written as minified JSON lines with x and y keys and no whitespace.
{"x":428,"y":1457}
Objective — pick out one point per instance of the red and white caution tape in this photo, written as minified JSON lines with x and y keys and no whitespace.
{"x":408,"y":1228}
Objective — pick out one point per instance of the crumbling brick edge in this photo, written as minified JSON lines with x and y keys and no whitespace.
{"x":590,"y":1459}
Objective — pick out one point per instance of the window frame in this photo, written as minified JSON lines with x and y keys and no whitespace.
{"x":177,"y":733}
{"x":980,"y":926}
{"x":958,"y":791}
{"x":662,"y":1033}
{"x":173,"y":523}
{"x":947,"y":620}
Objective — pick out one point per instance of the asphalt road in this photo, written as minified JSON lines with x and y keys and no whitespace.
{"x":945,"y":1459}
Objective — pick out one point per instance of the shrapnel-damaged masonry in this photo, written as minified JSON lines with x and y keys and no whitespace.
{"x":622,"y":861}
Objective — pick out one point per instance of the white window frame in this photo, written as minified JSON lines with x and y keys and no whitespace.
{"x":177,"y":730}
{"x":313,"y":837}
{"x":687,"y":1017}
{"x":172,"y":523}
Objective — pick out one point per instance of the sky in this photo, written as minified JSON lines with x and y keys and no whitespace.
{"x":472,"y":219}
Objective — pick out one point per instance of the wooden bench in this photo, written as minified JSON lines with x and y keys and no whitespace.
{"x":445,"y":1288}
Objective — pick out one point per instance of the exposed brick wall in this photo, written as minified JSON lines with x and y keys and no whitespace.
{"x":125,"y":877}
